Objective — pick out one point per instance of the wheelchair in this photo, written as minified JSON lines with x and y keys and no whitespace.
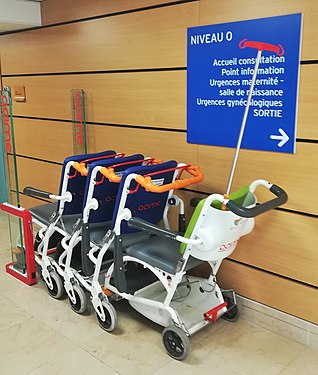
{"x":55,"y":221}
{"x":181,"y":303}
{"x":95,"y":236}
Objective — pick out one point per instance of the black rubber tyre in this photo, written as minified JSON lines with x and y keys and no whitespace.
{"x":39,"y":270}
{"x":176,"y":342}
{"x":234,"y":310}
{"x":58,"y":288}
{"x":110,"y":322}
{"x":80,"y":305}
{"x":37,"y":242}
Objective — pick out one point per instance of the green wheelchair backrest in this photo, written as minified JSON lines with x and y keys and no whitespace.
{"x":238,"y":196}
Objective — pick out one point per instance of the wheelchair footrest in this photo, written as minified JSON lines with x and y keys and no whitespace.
{"x":211,"y":315}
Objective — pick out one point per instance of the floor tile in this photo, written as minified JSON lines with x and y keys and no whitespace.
{"x":305,"y":364}
{"x":55,"y":313}
{"x":8,"y":282}
{"x":134,"y":347}
{"x":11,"y":314}
{"x":277,"y":321}
{"x":43,"y":336}
{"x":29,"y":345}
{"x":76,"y":361}
{"x":237,"y":348}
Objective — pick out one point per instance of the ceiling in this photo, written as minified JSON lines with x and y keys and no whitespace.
{"x":19,"y":14}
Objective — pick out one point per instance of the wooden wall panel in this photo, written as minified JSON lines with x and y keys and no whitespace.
{"x":150,"y":39}
{"x":282,"y":242}
{"x":54,"y":11}
{"x":220,"y":11}
{"x":145,"y":111}
{"x":28,"y":202}
{"x":282,"y":294}
{"x":12,"y":182}
{"x":297,"y":174}
{"x":144,"y":98}
{"x":307,"y":105}
{"x":38,"y":174}
{"x":159,"y":144}
{"x":46,"y":140}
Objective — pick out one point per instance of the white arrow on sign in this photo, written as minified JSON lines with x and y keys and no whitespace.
{"x":283,"y":137}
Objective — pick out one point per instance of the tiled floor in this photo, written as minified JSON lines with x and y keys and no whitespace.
{"x":39,"y":335}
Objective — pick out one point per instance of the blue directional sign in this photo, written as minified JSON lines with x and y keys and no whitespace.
{"x":221,"y":60}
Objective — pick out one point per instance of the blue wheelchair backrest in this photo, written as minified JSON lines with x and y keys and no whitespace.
{"x":106,"y":192}
{"x":143,"y":204}
{"x":76,"y":184}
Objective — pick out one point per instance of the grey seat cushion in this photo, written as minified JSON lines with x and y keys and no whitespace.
{"x":160,"y":252}
{"x":44,"y":212}
{"x":69,"y":222}
{"x":98,"y":232}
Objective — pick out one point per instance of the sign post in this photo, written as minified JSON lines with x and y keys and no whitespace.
{"x":260,"y":48}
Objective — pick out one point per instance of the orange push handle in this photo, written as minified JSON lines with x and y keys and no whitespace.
{"x":155,"y":161}
{"x":194,"y":171}
{"x":110,"y":174}
{"x":81,"y":168}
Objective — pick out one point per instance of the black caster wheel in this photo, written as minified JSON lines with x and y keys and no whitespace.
{"x":176,"y":342}
{"x":233,"y":312}
{"x":39,"y":270}
{"x":57,"y":290}
{"x":37,"y":242}
{"x":80,"y":305}
{"x":110,"y":322}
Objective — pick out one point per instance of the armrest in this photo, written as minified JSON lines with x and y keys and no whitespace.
{"x":135,"y":222}
{"x":31,"y":191}
{"x":28,"y":190}
{"x":141,"y":224}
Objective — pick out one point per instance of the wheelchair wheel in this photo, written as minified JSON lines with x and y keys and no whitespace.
{"x":110,"y":322}
{"x":80,"y":305}
{"x":57,"y":290}
{"x":37,"y":242}
{"x":176,"y":342}
{"x":233,"y":312}
{"x":39,"y":270}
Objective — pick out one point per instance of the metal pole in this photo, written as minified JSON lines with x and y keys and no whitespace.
{"x":238,"y":146}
